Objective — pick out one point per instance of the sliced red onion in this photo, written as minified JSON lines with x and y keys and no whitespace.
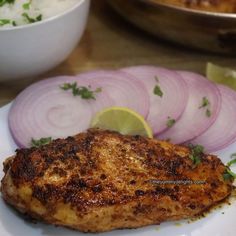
{"x":125,"y":90}
{"x":223,"y":131}
{"x":45,"y":110}
{"x":195,"y":119}
{"x":173,"y":100}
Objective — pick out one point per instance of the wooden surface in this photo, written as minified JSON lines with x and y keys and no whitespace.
{"x":111,"y":42}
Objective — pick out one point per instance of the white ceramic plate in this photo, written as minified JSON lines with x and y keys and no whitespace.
{"x":220,"y":222}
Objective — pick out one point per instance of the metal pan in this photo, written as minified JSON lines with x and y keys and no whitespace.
{"x":209,"y":31}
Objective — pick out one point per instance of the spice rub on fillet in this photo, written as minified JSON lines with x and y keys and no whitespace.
{"x":101,"y":180}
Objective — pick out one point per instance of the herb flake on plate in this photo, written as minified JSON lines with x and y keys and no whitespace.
{"x":157,"y":89}
{"x":40,"y":142}
{"x":170,"y":122}
{"x":82,"y":91}
{"x":196,"y":153}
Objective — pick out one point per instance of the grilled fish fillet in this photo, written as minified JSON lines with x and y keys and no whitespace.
{"x":100,"y":180}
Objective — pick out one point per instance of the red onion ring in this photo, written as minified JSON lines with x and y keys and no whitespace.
{"x":223,"y":131}
{"x":124,"y":90}
{"x":194,"y":120}
{"x":45,"y":110}
{"x":173,"y":101}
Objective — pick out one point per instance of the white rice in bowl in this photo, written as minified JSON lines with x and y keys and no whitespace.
{"x":20,"y":12}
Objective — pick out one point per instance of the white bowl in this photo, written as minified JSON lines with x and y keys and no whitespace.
{"x":33,"y":49}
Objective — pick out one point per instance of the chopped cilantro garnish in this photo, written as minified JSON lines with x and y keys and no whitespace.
{"x":26,"y":6}
{"x":25,"y":16}
{"x":82,"y":91}
{"x":196,"y":153}
{"x":170,"y":122}
{"x":230,"y":163}
{"x":3,"y":2}
{"x":229,"y":174}
{"x":157,"y":89}
{"x":40,"y":142}
{"x":30,"y":19}
{"x":4,"y":22}
{"x":205,"y":104}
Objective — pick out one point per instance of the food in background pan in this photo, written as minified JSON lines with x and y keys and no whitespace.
{"x":224,"y":6}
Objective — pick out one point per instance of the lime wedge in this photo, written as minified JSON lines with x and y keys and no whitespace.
{"x":221,"y":75}
{"x":122,"y":120}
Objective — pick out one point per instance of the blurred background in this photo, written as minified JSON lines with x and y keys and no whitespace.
{"x":111,"y":42}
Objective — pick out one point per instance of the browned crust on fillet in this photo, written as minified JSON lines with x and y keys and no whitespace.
{"x":101,"y":180}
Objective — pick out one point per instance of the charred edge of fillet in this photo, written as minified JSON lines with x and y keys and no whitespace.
{"x":216,"y":205}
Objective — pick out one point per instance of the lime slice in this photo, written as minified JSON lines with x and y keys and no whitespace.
{"x":221,"y":75}
{"x":122,"y":120}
